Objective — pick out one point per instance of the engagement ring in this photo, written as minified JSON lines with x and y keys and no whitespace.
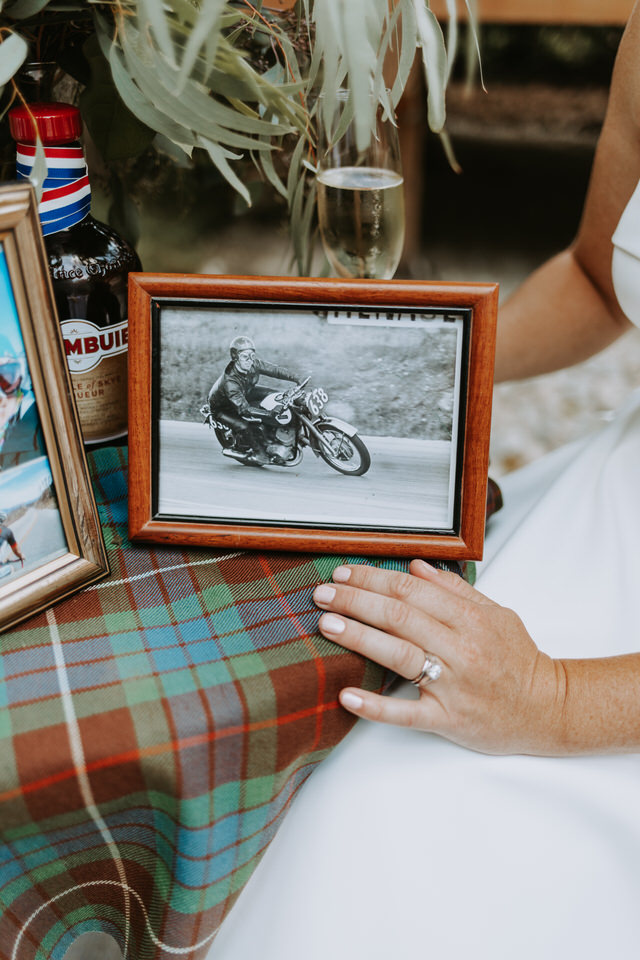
{"x":431,"y":670}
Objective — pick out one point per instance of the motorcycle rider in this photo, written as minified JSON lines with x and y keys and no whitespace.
{"x":236,"y":394}
{"x":7,"y":536}
{"x":20,"y":431}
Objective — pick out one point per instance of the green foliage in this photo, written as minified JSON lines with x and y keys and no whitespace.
{"x":231,"y":78}
{"x":116,"y":132}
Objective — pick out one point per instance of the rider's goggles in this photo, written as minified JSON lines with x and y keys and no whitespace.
{"x":10,"y":377}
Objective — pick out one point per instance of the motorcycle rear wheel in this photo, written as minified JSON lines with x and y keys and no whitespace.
{"x":343,"y":453}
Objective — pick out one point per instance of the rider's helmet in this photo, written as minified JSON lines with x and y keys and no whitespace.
{"x":3,"y":516}
{"x":238,"y":344}
{"x":11,"y":369}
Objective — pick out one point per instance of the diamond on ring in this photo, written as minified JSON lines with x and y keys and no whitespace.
{"x":431,"y":670}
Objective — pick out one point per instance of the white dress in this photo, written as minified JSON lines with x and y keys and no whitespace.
{"x":404,"y":845}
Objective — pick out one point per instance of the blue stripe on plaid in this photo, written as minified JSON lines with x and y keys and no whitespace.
{"x":197,"y":856}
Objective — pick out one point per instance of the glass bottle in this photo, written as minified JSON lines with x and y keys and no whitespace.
{"x":89,"y":265}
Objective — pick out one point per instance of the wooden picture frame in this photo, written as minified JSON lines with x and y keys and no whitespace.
{"x":49,"y":516}
{"x":408,"y":363}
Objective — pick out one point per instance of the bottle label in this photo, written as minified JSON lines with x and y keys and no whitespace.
{"x":66,"y":195}
{"x":97,"y":360}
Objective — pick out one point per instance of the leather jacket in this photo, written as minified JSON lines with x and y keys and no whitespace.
{"x":232,"y":390}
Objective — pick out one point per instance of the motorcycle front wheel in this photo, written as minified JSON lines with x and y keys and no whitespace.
{"x":344,"y":453}
{"x":224,"y":438}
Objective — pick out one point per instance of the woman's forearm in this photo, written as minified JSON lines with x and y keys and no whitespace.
{"x":555,"y":319}
{"x":600,"y":706}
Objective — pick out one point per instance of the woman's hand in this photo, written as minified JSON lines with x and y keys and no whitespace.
{"x":497,"y":692}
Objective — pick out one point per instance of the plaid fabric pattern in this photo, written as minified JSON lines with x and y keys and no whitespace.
{"x":154,"y":728}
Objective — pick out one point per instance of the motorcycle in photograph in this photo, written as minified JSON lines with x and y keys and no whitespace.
{"x":291,"y":421}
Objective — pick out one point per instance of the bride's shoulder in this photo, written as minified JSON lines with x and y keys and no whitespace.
{"x":625,"y":84}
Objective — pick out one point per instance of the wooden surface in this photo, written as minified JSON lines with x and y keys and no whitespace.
{"x":466,"y":543}
{"x":578,"y":12}
{"x":528,"y":11}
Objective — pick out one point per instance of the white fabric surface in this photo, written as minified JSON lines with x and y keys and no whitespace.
{"x":625,"y":263}
{"x":405,"y":845}
{"x":626,"y":236}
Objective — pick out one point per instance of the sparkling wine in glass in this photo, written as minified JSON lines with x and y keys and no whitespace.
{"x":361,"y":199}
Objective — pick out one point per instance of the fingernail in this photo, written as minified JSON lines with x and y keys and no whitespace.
{"x":332,"y":624}
{"x":427,"y":567}
{"x":341,"y":574}
{"x":351,"y":701}
{"x":324,"y":594}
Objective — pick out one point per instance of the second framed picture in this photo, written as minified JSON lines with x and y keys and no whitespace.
{"x":50,"y":537}
{"x":336,"y":416}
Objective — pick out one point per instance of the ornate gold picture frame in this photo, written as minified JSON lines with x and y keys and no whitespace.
{"x":50,"y":537}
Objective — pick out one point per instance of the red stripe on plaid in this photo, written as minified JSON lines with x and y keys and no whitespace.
{"x":169,"y":746}
{"x":305,"y":636}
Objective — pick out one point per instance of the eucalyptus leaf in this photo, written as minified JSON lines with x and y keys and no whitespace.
{"x":179,"y":153}
{"x":297,"y":234}
{"x":359,"y":58}
{"x":266,"y":163}
{"x":449,"y":153}
{"x":158,"y":81}
{"x":141,"y":107}
{"x":218,"y":157}
{"x":204,"y":28}
{"x":408,"y":34}
{"x":22,"y":9}
{"x":472,"y":14}
{"x":39,"y":170}
{"x":153,"y":13}
{"x":404,"y":58}
{"x":196,"y":112}
{"x":434,"y":56}
{"x":452,"y":35}
{"x":345,"y":121}
{"x":116,"y":132}
{"x":227,"y":85}
{"x":13,"y":53}
{"x":306,"y":254}
{"x":295,"y":168}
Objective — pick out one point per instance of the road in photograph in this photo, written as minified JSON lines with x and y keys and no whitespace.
{"x":40,"y":536}
{"x":408,"y":484}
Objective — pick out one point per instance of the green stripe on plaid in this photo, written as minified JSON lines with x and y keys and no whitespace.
{"x":200,"y":698}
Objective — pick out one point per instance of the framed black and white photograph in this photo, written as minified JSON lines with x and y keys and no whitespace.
{"x":345,"y":416}
{"x":50,"y":538}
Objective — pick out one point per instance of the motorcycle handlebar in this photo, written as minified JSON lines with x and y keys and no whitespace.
{"x":295,"y":391}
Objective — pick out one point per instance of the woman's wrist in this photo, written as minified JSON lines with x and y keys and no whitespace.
{"x":596,"y":708}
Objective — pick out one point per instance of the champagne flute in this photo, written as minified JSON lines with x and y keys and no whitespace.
{"x":360,"y":196}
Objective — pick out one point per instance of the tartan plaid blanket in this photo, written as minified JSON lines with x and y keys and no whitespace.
{"x":153,"y":732}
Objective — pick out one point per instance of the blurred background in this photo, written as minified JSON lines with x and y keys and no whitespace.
{"x":525,"y":148}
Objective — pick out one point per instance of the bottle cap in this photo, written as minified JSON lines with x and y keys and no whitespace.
{"x":56,"y":123}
